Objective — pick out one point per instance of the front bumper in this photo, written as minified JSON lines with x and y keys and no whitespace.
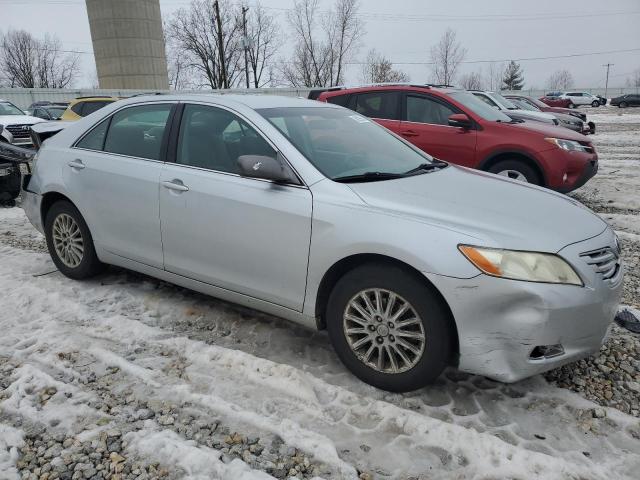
{"x":501,"y":322}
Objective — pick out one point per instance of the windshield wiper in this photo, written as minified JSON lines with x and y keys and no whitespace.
{"x":427,"y":167}
{"x":368,"y":177}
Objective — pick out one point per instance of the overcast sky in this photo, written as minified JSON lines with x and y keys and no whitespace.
{"x":404,"y":30}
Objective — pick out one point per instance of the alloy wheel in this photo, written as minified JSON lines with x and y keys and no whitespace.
{"x":384,"y":331}
{"x":514,"y":175}
{"x":67,"y":240}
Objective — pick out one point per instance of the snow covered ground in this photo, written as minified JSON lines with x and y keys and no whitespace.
{"x":127,"y":377}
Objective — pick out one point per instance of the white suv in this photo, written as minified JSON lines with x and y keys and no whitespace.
{"x":581,"y":98}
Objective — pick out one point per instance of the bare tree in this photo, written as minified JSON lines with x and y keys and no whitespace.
{"x":28,"y":62}
{"x":560,"y":80}
{"x":634,"y":79}
{"x":472,"y":81}
{"x":194,"y":32}
{"x":323,"y":43}
{"x":494,"y":75}
{"x":263,"y":40}
{"x":379,"y":69}
{"x":446,"y":57}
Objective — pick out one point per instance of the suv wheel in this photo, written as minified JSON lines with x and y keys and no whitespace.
{"x":623,"y":105}
{"x":388,"y":328}
{"x":69,"y":242}
{"x":572,"y":105}
{"x":595,"y":103}
{"x":516,"y":170}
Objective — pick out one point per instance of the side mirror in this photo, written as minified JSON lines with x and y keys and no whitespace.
{"x":460,"y":120}
{"x":267,"y":168}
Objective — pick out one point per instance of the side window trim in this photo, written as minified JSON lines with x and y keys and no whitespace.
{"x":172,"y":151}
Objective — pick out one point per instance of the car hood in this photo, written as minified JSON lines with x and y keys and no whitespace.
{"x":492,"y":211}
{"x":19,"y":120}
{"x":547,"y":130}
{"x":541,"y":116}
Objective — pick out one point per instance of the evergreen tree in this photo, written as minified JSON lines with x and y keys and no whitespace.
{"x":513,"y":78}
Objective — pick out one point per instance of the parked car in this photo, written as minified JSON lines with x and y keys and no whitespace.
{"x":628,"y":100}
{"x":83,"y":106}
{"x":581,"y":98}
{"x":499,"y":102}
{"x":554,"y":100}
{"x":9,"y":173}
{"x":49,"y":112}
{"x":547,"y":108}
{"x":567,"y":121}
{"x":14,"y":121}
{"x":317,"y":214}
{"x":482,"y":137}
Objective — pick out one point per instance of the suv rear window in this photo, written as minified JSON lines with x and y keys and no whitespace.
{"x":383,"y":105}
{"x":90,"y":107}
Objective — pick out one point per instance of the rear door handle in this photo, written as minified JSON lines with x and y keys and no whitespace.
{"x":409,"y":133}
{"x":77,"y":164}
{"x":176,"y":185}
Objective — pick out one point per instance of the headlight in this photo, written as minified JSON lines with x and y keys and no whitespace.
{"x":568,"y":145}
{"x":517,"y":265}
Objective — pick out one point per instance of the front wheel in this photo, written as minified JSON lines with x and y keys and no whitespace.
{"x":516,"y":170}
{"x":595,"y":103}
{"x":572,"y":105}
{"x":389,"y":328}
{"x":70,"y":243}
{"x":623,"y":105}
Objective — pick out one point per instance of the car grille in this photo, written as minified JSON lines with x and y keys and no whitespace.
{"x":606,"y":263}
{"x":20,"y":132}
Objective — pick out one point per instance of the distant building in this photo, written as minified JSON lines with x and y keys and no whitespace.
{"x":128,"y":43}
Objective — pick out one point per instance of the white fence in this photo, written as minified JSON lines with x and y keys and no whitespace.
{"x":23,"y":97}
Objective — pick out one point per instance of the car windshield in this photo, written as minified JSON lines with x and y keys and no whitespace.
{"x":523,"y":105}
{"x":479,"y":107}
{"x":496,"y":97}
{"x":7,"y":108}
{"x":341,"y":143}
{"x":56,"y":112}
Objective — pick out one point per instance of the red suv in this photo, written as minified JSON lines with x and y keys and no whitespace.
{"x":456,"y":126}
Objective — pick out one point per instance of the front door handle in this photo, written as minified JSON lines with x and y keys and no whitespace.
{"x":409,"y":133}
{"x":176,"y":185}
{"x":77,"y":164}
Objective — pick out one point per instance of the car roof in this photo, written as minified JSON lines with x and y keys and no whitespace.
{"x":409,"y":87}
{"x":252,"y":101}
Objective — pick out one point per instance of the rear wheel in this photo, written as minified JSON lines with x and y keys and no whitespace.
{"x":389,"y":328}
{"x":70,"y":243}
{"x":595,"y":103}
{"x":623,"y":105}
{"x":516,"y":170}
{"x":572,"y":105}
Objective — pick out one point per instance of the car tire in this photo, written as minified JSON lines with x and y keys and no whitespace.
{"x":378,"y":349}
{"x":623,"y":105}
{"x":516,"y":170}
{"x":572,"y":105}
{"x":70,"y":242}
{"x":595,"y":103}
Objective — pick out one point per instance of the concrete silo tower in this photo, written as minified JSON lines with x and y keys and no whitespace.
{"x":128,"y":44}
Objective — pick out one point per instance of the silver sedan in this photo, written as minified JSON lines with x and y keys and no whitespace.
{"x":314,"y":213}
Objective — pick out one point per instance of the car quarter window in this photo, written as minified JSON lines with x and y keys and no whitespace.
{"x":214,"y":138}
{"x":381,"y":104}
{"x":426,"y":110}
{"x":138,"y":131}
{"x":339,"y":100}
{"x":94,"y":140}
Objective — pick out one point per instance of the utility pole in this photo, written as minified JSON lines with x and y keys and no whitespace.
{"x":606,"y":85}
{"x":223,"y":67}
{"x":245,"y":43}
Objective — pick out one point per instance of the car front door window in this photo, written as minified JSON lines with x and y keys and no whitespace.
{"x":426,"y":110}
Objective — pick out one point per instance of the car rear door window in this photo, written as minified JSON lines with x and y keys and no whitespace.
{"x":426,"y":110}
{"x":382,"y":105}
{"x":90,"y":107}
{"x":214,"y":138}
{"x":138,"y":131}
